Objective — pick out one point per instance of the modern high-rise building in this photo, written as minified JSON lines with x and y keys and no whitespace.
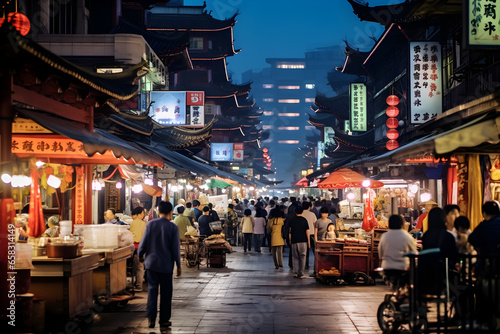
{"x":285,"y":91}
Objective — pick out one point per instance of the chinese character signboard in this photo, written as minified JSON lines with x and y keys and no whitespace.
{"x":226,"y":152}
{"x":45,"y":145}
{"x":425,"y":81}
{"x":358,"y":107}
{"x":23,"y":125}
{"x":321,"y":153}
{"x":177,"y":108}
{"x":483,"y":26}
{"x":221,"y":151}
{"x":238,"y":151}
{"x":329,"y":137}
{"x":79,"y":196}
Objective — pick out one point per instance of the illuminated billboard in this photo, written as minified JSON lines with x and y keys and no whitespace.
{"x":177,"y":108}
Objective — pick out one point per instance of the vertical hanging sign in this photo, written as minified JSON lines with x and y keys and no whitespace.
{"x":358,"y":107}
{"x":483,"y":27}
{"x":425,"y":81}
{"x":79,"y":196}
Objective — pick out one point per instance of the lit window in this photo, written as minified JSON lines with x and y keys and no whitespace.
{"x":289,"y":101}
{"x":310,"y":99}
{"x":267,"y":127}
{"x":310,"y":86}
{"x":288,"y":141}
{"x":268,"y":113}
{"x":289,"y":114}
{"x":288,"y":87}
{"x":310,"y":127}
{"x":196,"y":43}
{"x":289,"y":128}
{"x":268,"y":86}
{"x":290,"y":66}
{"x":268,"y":99}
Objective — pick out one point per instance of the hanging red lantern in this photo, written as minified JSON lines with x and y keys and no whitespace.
{"x":265,"y":155}
{"x":392,"y":100}
{"x":268,"y":164}
{"x":392,"y":134}
{"x":392,"y":111}
{"x":19,"y":21}
{"x":265,"y":150}
{"x":392,"y":144}
{"x":392,"y":123}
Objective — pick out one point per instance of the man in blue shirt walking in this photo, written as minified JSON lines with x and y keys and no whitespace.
{"x":160,"y":243}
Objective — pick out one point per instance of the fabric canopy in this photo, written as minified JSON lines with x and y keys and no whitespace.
{"x":346,"y":178}
{"x":216,"y":183}
{"x":471,"y":136}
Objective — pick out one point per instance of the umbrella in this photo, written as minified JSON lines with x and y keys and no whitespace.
{"x":216,"y":183}
{"x":303,"y":182}
{"x":346,"y":178}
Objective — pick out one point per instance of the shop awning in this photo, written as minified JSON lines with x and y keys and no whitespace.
{"x":99,"y":141}
{"x":182,"y":162}
{"x":478,"y":135}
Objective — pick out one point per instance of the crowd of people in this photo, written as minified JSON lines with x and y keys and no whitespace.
{"x":446,"y":239}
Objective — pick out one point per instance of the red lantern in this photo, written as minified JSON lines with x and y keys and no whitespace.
{"x":392,"y":100}
{"x":392,"y":134}
{"x":392,"y":111}
{"x":392,"y":144}
{"x":265,"y":150}
{"x":268,"y":164}
{"x":392,"y":123}
{"x":19,"y":21}
{"x":265,"y":155}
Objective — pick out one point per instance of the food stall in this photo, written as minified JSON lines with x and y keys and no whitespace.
{"x":349,"y":255}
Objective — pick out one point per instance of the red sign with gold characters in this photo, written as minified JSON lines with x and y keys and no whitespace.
{"x":79,"y":196}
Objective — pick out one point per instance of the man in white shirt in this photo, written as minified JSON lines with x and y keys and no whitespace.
{"x":311,"y":219}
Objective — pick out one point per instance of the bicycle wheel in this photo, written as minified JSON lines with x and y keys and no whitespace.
{"x":386,"y":316}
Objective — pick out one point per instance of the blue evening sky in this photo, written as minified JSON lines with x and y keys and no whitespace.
{"x":288,"y":28}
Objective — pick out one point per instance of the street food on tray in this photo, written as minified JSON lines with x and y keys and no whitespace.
{"x":333,"y":271}
{"x":216,"y":236}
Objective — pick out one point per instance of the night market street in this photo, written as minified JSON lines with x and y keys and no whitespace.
{"x":250,"y":296}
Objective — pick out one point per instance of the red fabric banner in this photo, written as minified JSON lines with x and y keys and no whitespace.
{"x":36,"y":223}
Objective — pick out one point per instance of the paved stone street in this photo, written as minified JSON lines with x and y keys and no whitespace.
{"x":251,"y":296}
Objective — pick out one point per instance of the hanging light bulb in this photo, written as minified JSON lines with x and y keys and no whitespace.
{"x":54,"y":181}
{"x":252,"y":188}
{"x":413,"y":188}
{"x":351,"y":196}
{"x":149,"y":182}
{"x":40,"y":164}
{"x":425,"y":197}
{"x":119,"y":185}
{"x":6,"y":178}
{"x":189,"y":187}
{"x":27,"y":181}
{"x":223,"y":191}
{"x":137,"y":188}
{"x":366,"y":183}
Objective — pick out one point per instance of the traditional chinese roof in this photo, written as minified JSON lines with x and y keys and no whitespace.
{"x":393,"y":35}
{"x":171,"y":47}
{"x":323,"y":119}
{"x":176,"y":137}
{"x":354,"y":59}
{"x":197,"y":24}
{"x":224,"y":123}
{"x":407,"y":11}
{"x":38,"y":64}
{"x":360,"y":141}
{"x":337,"y":105}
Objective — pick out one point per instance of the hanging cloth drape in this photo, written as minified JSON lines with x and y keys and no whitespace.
{"x":36,"y":223}
{"x":452,"y":185}
{"x":475,"y":191}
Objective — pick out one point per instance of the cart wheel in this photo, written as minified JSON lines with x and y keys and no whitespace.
{"x":360,"y":278}
{"x":386,"y":316}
